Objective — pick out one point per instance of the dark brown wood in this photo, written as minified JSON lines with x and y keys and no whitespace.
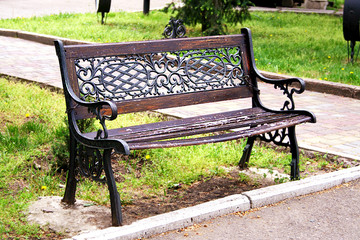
{"x":177,"y":100}
{"x":247,"y":118}
{"x":165,"y":45}
{"x":222,"y":137}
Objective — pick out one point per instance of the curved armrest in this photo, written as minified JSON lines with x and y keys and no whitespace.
{"x":286,"y":85}
{"x":95,"y":107}
{"x":288,"y":90}
{"x":118,"y":145}
{"x":288,"y":81}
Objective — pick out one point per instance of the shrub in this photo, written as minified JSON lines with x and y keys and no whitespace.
{"x":212,"y":14}
{"x":61,"y":145}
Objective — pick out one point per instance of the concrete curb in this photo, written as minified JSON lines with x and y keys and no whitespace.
{"x":321,"y":86}
{"x":338,"y":89}
{"x":40,"y":38}
{"x":239,"y":202}
{"x":298,"y":10}
{"x":273,"y":194}
{"x":172,"y":220}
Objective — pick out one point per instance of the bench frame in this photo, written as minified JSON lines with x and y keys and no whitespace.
{"x":90,"y":153}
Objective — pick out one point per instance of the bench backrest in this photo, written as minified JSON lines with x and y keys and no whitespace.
{"x":150,"y":75}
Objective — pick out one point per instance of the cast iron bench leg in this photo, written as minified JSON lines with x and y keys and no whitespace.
{"x":295,"y":172}
{"x":116,"y":215}
{"x":69,"y":196}
{"x":243,"y":163}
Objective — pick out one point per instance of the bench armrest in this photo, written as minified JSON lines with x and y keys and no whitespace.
{"x":118,"y":145}
{"x":97,"y":108}
{"x":287,"y":86}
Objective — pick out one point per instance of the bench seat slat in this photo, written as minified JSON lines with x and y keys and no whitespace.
{"x":185,"y":122}
{"x":261,"y":129}
{"x":201,"y":128}
{"x":246,"y":118}
{"x":219,"y":123}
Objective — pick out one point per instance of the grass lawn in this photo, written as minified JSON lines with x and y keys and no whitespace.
{"x":302,"y":45}
{"x":32,"y":151}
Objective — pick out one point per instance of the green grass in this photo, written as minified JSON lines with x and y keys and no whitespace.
{"x":32,"y":122}
{"x":121,"y":26}
{"x":302,"y":45}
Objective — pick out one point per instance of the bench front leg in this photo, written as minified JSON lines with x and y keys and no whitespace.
{"x":244,"y":161}
{"x":116,"y":214}
{"x":69,"y":196}
{"x":294,"y":148}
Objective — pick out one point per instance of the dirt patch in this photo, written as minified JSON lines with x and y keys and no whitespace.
{"x":182,"y":197}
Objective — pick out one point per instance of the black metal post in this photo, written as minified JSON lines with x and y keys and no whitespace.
{"x":103,"y":7}
{"x":146,"y":7}
{"x":294,"y":148}
{"x":174,"y":29}
{"x":70,"y":190}
{"x":115,"y":201}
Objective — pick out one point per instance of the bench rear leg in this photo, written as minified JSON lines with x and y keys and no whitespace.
{"x":294,"y":148}
{"x":244,"y":161}
{"x":116,"y":214}
{"x":69,"y":196}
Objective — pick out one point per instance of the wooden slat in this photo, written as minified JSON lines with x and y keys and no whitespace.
{"x":222,"y":137}
{"x":186,"y":122}
{"x":165,"y":45}
{"x":183,"y":122}
{"x":200,"y":128}
{"x":177,"y":100}
{"x":144,"y":136}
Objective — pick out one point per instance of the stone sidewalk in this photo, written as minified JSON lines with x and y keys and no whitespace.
{"x":337,"y":130}
{"x":25,"y":8}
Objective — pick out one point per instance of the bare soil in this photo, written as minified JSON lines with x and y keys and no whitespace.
{"x":182,"y":197}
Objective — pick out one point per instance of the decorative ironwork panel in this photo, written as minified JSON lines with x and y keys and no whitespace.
{"x":90,"y":163}
{"x":280,"y":137}
{"x":155,"y":74}
{"x":285,"y":87}
{"x":175,"y":28}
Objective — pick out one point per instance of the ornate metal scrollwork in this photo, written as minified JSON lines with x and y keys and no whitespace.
{"x":156,"y":74}
{"x":280,"y":137}
{"x":101,"y":133}
{"x":90,"y":163}
{"x":174,"y":29}
{"x":285,"y":87}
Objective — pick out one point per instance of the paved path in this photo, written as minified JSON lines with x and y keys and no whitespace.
{"x":26,"y":8}
{"x":337,"y":130}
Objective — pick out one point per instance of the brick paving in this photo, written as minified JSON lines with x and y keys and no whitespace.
{"x":25,"y":8}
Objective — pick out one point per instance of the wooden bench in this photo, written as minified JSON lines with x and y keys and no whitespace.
{"x":103,"y":80}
